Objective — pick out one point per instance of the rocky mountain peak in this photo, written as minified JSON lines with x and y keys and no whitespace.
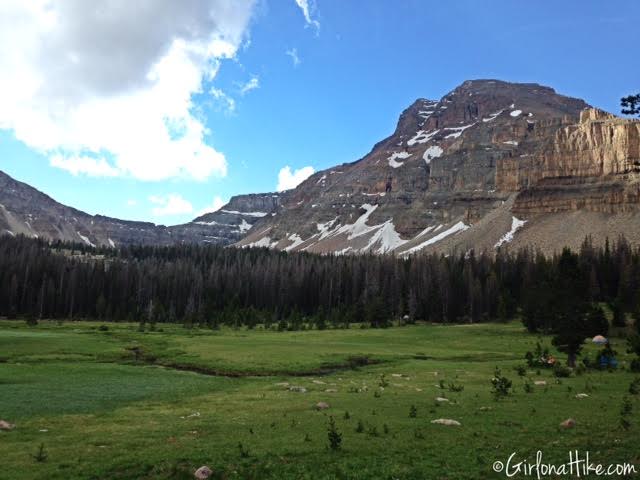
{"x":448,"y":175}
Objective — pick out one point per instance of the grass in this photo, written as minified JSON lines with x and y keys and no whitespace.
{"x":103,"y":415}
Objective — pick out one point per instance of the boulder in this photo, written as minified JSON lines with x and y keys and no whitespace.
{"x":322,"y":406}
{"x":540,"y":383}
{"x":568,"y":423}
{"x":582,"y":395}
{"x":4,"y":425}
{"x":446,"y":421}
{"x":203,"y":473}
{"x":298,"y":389}
{"x":331,"y":390}
{"x":442,"y":400}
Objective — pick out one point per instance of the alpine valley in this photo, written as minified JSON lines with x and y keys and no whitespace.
{"x":490,"y":165}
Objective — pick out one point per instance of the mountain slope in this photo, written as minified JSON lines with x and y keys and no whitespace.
{"x":460,"y":171}
{"x":25,"y":210}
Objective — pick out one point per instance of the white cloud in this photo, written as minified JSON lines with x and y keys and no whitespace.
{"x":77,"y":165}
{"x":172,"y":204}
{"x":250,"y":85}
{"x":305,"y":7}
{"x":228,"y":103}
{"x":216,"y":205}
{"x":288,"y":179}
{"x":82,"y":79}
{"x":293,"y":53}
{"x":131,"y":202}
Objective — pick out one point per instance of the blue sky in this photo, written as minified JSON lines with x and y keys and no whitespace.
{"x":359,"y":65}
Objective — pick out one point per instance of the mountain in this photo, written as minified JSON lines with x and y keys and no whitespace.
{"x":490,"y":164}
{"x":25,"y":210}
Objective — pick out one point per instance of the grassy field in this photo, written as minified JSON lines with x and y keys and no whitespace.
{"x":121,"y":404}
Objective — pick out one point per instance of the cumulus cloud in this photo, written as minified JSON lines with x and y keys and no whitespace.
{"x":305,"y":7}
{"x":99,"y":87}
{"x":76,"y":165}
{"x":288,"y":179}
{"x":216,"y":205}
{"x":293,"y":53}
{"x":172,"y":204}
{"x":250,"y":85}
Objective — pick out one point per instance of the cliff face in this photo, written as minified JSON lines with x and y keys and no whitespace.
{"x":592,"y":165}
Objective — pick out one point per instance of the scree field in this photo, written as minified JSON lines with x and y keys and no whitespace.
{"x":116,"y":403}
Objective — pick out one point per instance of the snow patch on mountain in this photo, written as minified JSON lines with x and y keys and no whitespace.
{"x":247,"y":214}
{"x":457,"y":131}
{"x":85,"y":239}
{"x":296,"y":241}
{"x":458,"y":227}
{"x":397,"y":155}
{"x":507,"y":237}
{"x":492,"y":116}
{"x":244,"y":227}
{"x":422,"y":136}
{"x":432,"y":152}
{"x":386,"y":238}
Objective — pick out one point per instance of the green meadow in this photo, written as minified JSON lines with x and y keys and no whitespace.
{"x":117,"y":403}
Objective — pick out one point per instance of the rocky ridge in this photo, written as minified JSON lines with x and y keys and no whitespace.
{"x":25,"y":210}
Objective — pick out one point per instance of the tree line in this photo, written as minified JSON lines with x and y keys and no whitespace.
{"x":211,"y":285}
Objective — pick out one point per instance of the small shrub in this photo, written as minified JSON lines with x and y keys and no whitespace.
{"x":528,"y":387}
{"x":103,"y":328}
{"x":360,"y":427}
{"x":334,"y":436}
{"x":244,"y":451}
{"x":418,"y":434}
{"x":501,"y":385}
{"x":376,"y":394}
{"x":521,"y":370}
{"x":540,"y":357}
{"x":373,"y":431}
{"x":413,"y":412}
{"x":41,"y":454}
{"x":307,"y":438}
{"x":453,"y":387}
{"x":625,"y":413}
{"x":634,"y":387}
{"x":347,"y":416}
{"x":383,"y":381}
{"x":385,"y":429}
{"x":561,"y":371}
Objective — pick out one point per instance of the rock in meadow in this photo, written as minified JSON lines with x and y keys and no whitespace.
{"x":446,"y":421}
{"x":442,"y":400}
{"x":298,"y":389}
{"x":582,"y":395}
{"x":540,"y":383}
{"x":568,"y":423}
{"x":322,"y":406}
{"x":4,"y":425}
{"x":203,"y":473}
{"x":331,"y":390}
